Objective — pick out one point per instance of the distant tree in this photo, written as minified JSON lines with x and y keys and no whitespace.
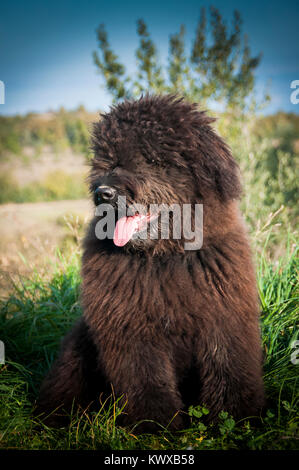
{"x":217,"y":66}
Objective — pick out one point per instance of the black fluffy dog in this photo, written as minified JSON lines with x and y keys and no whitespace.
{"x":165,"y":326}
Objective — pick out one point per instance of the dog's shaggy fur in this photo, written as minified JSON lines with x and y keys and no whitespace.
{"x":165,"y":327}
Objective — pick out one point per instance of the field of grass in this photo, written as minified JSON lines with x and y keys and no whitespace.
{"x":38,"y":313}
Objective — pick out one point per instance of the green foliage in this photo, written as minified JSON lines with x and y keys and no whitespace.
{"x":9,"y":136}
{"x":218,"y":66}
{"x":267,"y":151}
{"x":281,"y":160}
{"x":57,"y":185}
{"x":198,"y":411}
{"x":39,"y":312}
{"x":111,"y":69}
{"x":8,"y":188}
{"x":149,"y":75}
{"x":59,"y":130}
{"x":226,"y":423}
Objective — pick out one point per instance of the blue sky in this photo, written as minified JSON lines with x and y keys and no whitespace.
{"x":46,"y":46}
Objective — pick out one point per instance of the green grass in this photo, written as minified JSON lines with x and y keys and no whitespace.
{"x":38,"y":313}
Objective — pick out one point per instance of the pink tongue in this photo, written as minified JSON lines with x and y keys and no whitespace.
{"x":124,"y":229}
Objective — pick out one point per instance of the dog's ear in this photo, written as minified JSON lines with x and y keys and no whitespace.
{"x":215,"y":169}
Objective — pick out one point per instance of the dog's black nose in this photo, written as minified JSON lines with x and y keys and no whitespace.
{"x":106,"y":193}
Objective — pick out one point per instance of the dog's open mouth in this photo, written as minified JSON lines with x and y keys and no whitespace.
{"x":126,"y":227}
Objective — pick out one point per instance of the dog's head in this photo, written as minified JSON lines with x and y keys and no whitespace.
{"x":158,"y":151}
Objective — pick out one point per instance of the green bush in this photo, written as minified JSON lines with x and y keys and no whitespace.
{"x":59,"y":130}
{"x":268,"y":164}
